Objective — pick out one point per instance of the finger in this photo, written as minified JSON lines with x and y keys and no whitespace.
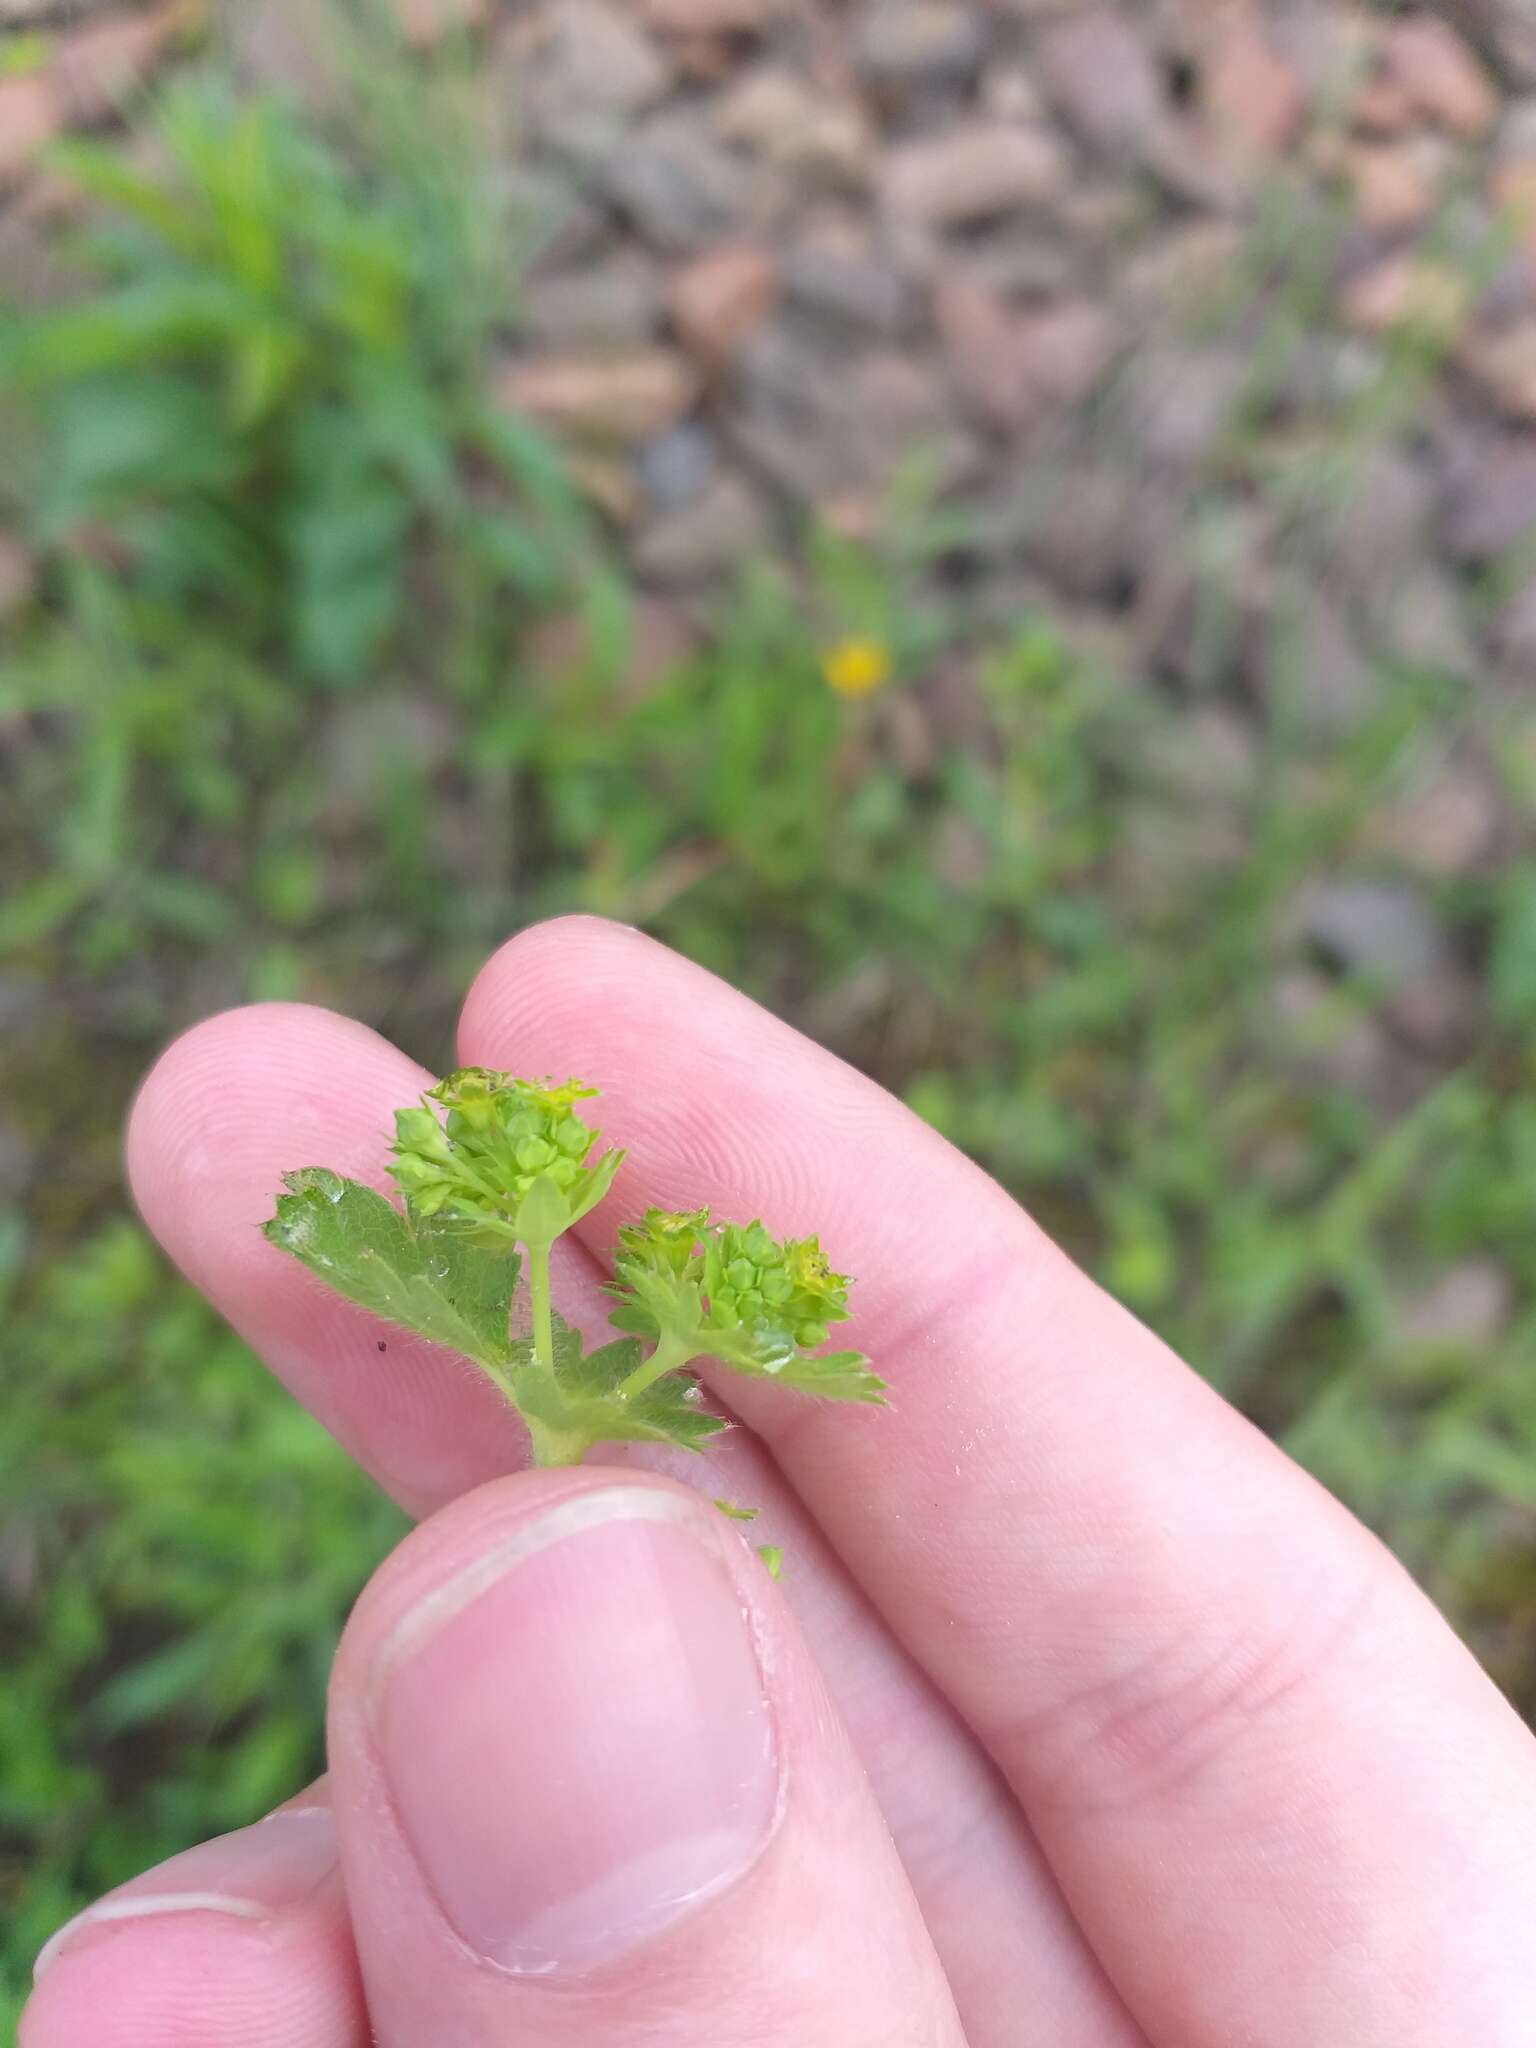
{"x":1021,"y":1974}
{"x":224,"y":1113}
{"x":248,"y":1095}
{"x":243,"y":1941}
{"x":590,"y":1789}
{"x":1251,"y":1749}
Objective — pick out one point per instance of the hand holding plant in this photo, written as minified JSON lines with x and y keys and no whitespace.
{"x":508,"y":1169}
{"x":1091,"y":1720}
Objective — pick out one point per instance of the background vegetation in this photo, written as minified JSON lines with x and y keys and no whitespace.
{"x":283,"y":717}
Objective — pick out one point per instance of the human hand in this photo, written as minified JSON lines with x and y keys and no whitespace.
{"x":1084,"y":1718}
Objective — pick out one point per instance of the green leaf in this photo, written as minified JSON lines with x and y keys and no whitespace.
{"x":160,"y":321}
{"x":118,"y":438}
{"x":582,"y":1407}
{"x":651,"y":1302}
{"x":599,"y":1179}
{"x":542,"y":1214}
{"x":835,"y":1375}
{"x":423,"y":1275}
{"x":347,"y":556}
{"x":1513,"y":966}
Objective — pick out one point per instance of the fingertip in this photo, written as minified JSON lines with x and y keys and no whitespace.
{"x":580,"y":1753}
{"x":719,"y":1101}
{"x":233,"y":1102}
{"x":143,"y":1986}
{"x":200,"y":1077}
{"x":227,"y":1110}
{"x":564,"y":966}
{"x":483,"y":1522}
{"x":242,"y":1940}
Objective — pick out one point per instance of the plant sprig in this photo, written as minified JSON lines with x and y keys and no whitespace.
{"x":492,"y":1171}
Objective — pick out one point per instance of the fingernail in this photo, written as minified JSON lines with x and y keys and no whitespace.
{"x":249,"y":1875}
{"x":575,"y":1732}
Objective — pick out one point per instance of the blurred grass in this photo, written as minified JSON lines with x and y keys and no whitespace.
{"x":273,"y":725}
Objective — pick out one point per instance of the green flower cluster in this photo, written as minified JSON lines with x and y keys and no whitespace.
{"x":752,"y":1281}
{"x":665,"y":1245}
{"x":509,"y":1158}
{"x":493,"y":1170}
{"x":733,"y":1292}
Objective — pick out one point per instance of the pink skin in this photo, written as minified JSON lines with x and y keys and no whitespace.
{"x":1170,"y":1750}
{"x":251,"y":1093}
{"x":244,"y":1940}
{"x":636,"y":1806}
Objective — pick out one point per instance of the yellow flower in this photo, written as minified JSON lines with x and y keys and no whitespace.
{"x":854,"y":668}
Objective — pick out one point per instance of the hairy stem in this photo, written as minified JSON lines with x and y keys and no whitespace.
{"x":671,"y":1352}
{"x":543,"y":1312}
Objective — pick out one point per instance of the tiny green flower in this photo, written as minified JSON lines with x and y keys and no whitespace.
{"x":733,"y":1292}
{"x":509,"y":1159}
{"x":779,"y":1297}
{"x":664,"y":1241}
{"x":658,"y":1269}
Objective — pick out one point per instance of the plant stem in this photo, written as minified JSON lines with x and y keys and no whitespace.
{"x":671,"y":1352}
{"x":543,"y":1314}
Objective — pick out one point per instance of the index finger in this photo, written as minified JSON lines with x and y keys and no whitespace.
{"x":1253,"y":1752}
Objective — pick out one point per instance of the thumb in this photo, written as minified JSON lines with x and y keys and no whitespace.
{"x":590,"y":1791}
